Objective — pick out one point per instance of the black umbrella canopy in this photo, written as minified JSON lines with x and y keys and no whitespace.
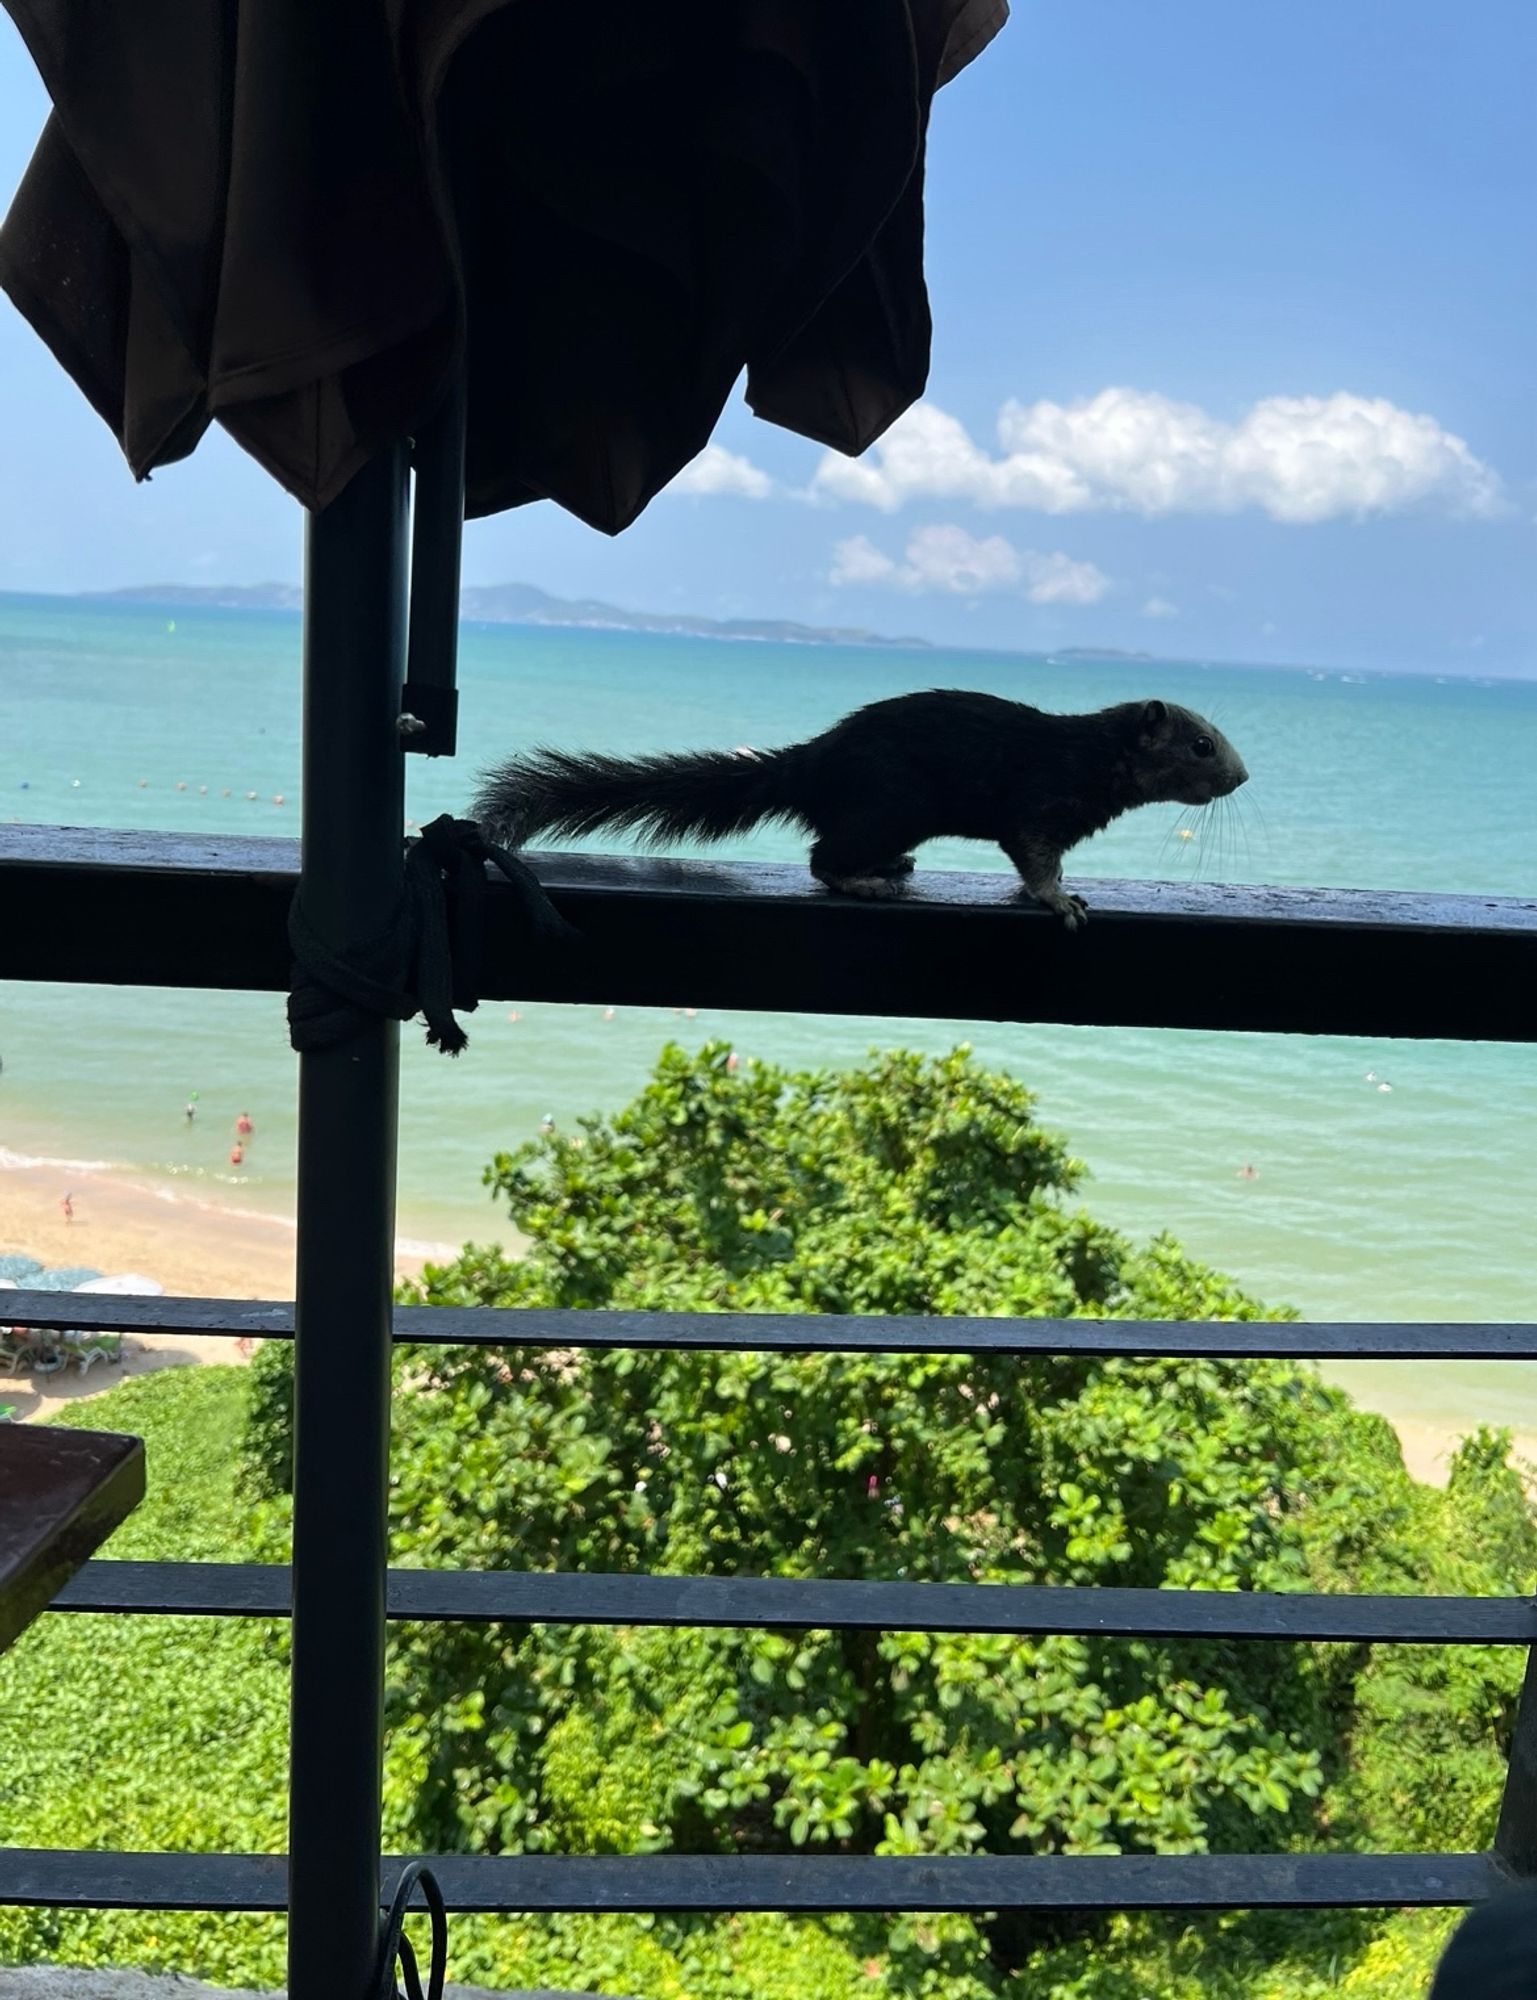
{"x":300,"y":220}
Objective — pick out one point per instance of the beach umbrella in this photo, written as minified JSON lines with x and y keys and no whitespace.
{"x":63,"y":1278}
{"x":527,"y":250}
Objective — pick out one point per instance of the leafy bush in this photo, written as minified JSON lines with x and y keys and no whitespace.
{"x":152,"y":1733}
{"x":924,"y":1187}
{"x":913,"y":1186}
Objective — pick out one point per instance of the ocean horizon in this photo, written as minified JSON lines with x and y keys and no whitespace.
{"x":202,"y":599}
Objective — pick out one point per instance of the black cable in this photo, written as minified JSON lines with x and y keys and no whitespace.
{"x":395,"y":1945}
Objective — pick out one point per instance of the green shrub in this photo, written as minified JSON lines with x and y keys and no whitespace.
{"x":913,"y":1186}
{"x":152,"y":1733}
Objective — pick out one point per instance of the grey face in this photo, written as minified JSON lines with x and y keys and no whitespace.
{"x":1185,"y":758}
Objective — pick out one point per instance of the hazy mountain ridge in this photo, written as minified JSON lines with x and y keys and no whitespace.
{"x":209,"y":596}
{"x":526,"y":604}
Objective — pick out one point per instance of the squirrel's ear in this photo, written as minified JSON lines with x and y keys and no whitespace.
{"x":1154,"y":714}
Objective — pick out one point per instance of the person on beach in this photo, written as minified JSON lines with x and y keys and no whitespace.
{"x":237,"y":1155}
{"x":243,"y":1126}
{"x":1248,"y":1173}
{"x":67,"y":1206}
{"x":190,"y":1111}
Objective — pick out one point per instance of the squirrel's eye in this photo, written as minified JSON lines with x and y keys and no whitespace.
{"x":1204,"y":747}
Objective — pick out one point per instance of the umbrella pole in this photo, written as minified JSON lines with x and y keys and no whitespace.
{"x":354,"y":651}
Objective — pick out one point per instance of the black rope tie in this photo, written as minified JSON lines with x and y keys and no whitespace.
{"x":428,"y":958}
{"x":394,"y":1944}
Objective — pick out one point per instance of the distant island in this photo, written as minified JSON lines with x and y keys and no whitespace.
{"x":525,"y":604}
{"x":211,"y":596}
{"x":1068,"y":654}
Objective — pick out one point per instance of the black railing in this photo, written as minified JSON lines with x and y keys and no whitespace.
{"x":163,"y":910}
{"x":115,"y":909}
{"x":497,"y":1884}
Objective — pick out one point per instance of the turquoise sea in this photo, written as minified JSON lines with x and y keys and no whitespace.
{"x":1415,"y":1201}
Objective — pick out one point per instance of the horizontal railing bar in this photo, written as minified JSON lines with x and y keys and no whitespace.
{"x":132,"y":908}
{"x":809,"y":1885}
{"x":798,"y":1604}
{"x":805,"y":1333}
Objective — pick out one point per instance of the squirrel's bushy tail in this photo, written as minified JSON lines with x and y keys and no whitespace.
{"x":708,"y":795}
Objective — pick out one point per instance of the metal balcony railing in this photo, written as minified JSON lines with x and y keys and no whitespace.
{"x":163,"y":910}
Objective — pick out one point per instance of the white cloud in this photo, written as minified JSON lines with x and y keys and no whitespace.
{"x":1160,"y":607}
{"x":946,"y":558}
{"x":717,"y":470}
{"x":858,"y":560}
{"x":1057,"y":579}
{"x":1297,"y":458}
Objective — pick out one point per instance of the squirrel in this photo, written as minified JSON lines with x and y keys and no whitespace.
{"x":884,"y":780}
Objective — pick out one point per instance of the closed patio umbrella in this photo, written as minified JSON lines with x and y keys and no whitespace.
{"x":293,"y":218}
{"x":531,"y":247}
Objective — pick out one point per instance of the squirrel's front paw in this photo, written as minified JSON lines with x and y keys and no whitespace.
{"x":1073,"y":910}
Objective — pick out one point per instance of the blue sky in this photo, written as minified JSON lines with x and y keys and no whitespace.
{"x":1236,"y":320}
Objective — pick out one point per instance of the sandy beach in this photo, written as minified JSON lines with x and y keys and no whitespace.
{"x":200,"y":1250}
{"x":189,"y":1247}
{"x":1427,"y":1451}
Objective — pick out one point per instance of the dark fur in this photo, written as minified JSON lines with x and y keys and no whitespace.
{"x":884,"y":780}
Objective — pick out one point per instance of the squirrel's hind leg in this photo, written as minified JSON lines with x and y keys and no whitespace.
{"x":864,"y":858}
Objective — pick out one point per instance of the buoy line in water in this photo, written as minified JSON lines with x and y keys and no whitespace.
{"x":185,"y":786}
{"x":180,"y":785}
